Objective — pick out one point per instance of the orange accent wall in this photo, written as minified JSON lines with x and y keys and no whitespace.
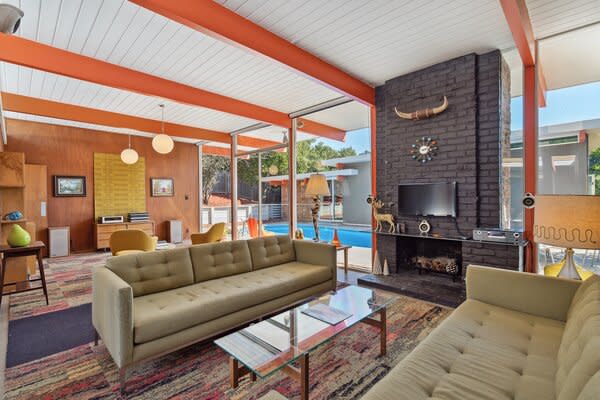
{"x":70,"y":151}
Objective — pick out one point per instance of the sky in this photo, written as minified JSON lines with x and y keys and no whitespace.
{"x":576,"y":103}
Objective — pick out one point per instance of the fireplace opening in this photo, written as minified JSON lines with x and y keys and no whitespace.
{"x":429,"y":255}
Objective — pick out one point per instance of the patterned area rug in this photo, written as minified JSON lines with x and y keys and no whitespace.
{"x":69,"y":282}
{"x":345,"y":368}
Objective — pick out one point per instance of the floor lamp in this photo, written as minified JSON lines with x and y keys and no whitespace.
{"x":317,"y":186}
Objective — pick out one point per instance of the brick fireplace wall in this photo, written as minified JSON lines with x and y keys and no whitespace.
{"x":469,"y":133}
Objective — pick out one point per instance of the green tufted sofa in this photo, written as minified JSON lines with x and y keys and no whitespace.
{"x":517,"y":336}
{"x":148,"y":304}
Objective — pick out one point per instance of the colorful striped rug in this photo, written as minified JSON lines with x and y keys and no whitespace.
{"x":342,"y":369}
{"x":69,"y":284}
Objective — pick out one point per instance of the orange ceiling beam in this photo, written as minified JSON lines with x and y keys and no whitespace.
{"x":517,"y":16}
{"x":216,"y":151}
{"x":52,"y":109}
{"x":213,"y":19}
{"x":28,"y":53}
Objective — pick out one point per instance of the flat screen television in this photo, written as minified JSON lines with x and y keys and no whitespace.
{"x":427,"y":199}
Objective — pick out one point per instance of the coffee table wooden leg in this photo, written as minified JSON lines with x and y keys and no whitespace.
{"x":383,"y":333}
{"x":234,"y":372}
{"x":42,"y":275}
{"x":304,"y":382}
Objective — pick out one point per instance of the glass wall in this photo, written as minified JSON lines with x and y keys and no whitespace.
{"x":512,"y":178}
{"x":216,"y":191}
{"x":346,"y":166}
{"x":569,"y":128}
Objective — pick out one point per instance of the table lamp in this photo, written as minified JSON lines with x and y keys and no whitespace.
{"x":317,"y":186}
{"x":570,"y":221}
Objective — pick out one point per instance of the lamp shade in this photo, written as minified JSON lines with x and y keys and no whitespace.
{"x":129,"y":156}
{"x":317,"y":186}
{"x":162,"y":143}
{"x":567,"y":221}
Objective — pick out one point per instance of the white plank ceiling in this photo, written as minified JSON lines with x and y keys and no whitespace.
{"x":373,"y":40}
{"x":123,"y":33}
{"x":377,"y":40}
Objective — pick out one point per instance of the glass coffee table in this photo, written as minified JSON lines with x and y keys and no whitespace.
{"x":276,"y":343}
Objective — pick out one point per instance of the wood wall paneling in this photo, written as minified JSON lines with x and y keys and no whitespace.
{"x":35,"y":194}
{"x":70,"y":151}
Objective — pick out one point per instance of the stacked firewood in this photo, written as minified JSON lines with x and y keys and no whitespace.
{"x":438,"y":264}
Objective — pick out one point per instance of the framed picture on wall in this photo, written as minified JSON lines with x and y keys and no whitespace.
{"x":69,"y":186}
{"x":162,"y":187}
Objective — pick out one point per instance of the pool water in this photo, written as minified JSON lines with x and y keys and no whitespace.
{"x":346,"y":236}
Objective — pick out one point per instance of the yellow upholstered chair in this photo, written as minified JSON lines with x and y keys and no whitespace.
{"x":131,"y":241}
{"x":214,"y":234}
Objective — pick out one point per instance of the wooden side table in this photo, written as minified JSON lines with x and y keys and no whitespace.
{"x":345,"y":249}
{"x":32,"y":249}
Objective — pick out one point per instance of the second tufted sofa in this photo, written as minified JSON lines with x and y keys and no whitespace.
{"x":148,"y":304}
{"x":517,"y":336}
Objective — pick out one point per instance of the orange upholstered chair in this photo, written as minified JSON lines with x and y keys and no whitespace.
{"x":214,"y":234}
{"x":129,"y":241}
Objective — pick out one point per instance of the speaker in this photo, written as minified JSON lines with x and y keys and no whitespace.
{"x":175,"y":231}
{"x":424,"y":227}
{"x":529,"y":200}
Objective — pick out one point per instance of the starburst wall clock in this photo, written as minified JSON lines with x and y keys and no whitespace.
{"x":424,"y":149}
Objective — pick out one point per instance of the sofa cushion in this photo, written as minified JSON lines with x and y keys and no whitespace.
{"x":579,"y":354}
{"x":161,"y":314}
{"x":217,"y":260}
{"x":479,"y":352}
{"x":152,"y":272}
{"x":271,"y":250}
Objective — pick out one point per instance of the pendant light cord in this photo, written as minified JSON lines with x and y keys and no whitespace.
{"x":162,"y":120}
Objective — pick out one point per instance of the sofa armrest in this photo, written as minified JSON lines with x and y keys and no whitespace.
{"x":539,"y":295}
{"x":112,"y":314}
{"x":318,"y":254}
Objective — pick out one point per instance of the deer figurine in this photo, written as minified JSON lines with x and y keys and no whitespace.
{"x":377,"y":204}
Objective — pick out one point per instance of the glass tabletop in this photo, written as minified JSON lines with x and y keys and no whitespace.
{"x":269,"y":345}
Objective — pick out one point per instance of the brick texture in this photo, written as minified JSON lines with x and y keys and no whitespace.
{"x":469,"y":134}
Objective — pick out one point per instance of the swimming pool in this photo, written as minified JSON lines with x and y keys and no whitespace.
{"x":347,"y":236}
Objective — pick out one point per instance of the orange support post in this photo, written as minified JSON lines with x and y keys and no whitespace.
{"x":373,"y":174}
{"x":530,"y":158}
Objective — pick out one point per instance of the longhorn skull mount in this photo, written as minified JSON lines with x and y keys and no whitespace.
{"x":425,"y":113}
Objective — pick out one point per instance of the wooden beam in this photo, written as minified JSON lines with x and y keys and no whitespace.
{"x":322,"y":130}
{"x":211,"y":18}
{"x":28,"y":53}
{"x":216,"y":151}
{"x":517,"y":16}
{"x":52,"y":109}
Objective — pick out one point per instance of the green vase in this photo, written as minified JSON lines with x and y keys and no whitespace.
{"x":18,"y":237}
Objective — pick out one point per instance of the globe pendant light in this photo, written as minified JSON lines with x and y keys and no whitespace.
{"x":129,"y":156}
{"x":162,"y":143}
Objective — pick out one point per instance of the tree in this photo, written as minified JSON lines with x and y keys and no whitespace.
{"x":594,"y":165}
{"x":212,"y":168}
{"x":309,"y":155}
